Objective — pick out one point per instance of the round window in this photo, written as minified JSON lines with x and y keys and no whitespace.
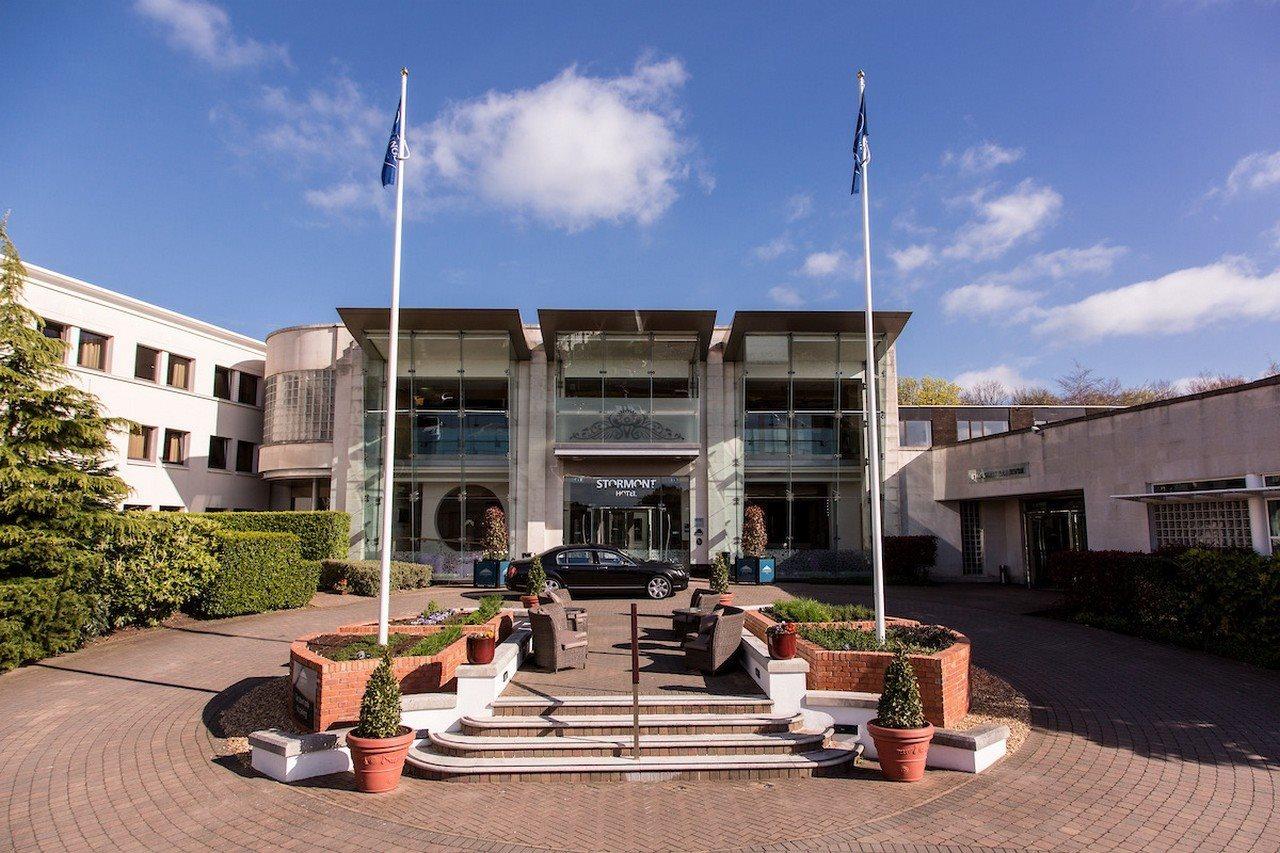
{"x":449,"y":519}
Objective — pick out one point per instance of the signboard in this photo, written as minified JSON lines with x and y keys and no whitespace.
{"x":1009,"y":472}
{"x":619,"y":491}
{"x":304,"y":693}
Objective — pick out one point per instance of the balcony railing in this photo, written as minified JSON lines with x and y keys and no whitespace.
{"x":628,"y":421}
{"x":808,"y":436}
{"x":449,"y":434}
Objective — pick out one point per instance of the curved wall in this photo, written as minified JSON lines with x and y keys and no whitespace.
{"x":299,"y":400}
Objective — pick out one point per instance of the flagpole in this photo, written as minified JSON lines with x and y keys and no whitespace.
{"x":393,"y":353}
{"x":873,"y":418}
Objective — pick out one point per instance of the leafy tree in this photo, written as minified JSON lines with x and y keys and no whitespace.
{"x":928,"y":391}
{"x":989,"y":393}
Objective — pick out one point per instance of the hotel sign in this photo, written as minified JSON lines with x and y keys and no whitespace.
{"x":618,"y":491}
{"x":1009,"y":472}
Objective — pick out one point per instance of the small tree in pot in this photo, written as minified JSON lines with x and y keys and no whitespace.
{"x":537,"y":584}
{"x":900,"y":731}
{"x":492,"y":566}
{"x":720,"y":579}
{"x":754,"y":566}
{"x":380,"y":743}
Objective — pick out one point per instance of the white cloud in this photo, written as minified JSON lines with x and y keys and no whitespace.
{"x":983,"y":158}
{"x":1097,"y":259}
{"x":572,"y":152}
{"x":826,"y":264}
{"x":989,"y":300}
{"x":204,"y":30}
{"x":797,"y":295}
{"x":799,"y":206}
{"x":774,"y":249}
{"x":786,"y":295}
{"x":913,"y":258}
{"x":1182,"y":301}
{"x":1255,"y":172}
{"x":1007,"y":375}
{"x":1004,"y":220}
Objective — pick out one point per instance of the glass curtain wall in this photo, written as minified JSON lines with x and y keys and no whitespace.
{"x":453,"y":402}
{"x":626,"y":387}
{"x":804,"y":436}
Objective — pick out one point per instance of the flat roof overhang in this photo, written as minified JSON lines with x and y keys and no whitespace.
{"x":1201,"y":495}
{"x":618,"y":450}
{"x":361,"y":321}
{"x":556,"y":321}
{"x":887,"y":323}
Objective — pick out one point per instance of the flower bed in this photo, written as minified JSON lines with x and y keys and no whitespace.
{"x":943,"y":675}
{"x":326,"y":693}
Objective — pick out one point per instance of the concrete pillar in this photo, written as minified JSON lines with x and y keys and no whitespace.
{"x":535,"y":460}
{"x":1259,"y":523}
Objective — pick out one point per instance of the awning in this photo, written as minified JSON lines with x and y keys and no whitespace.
{"x":887,"y":323}
{"x":361,"y":321}
{"x":555,"y":321}
{"x":1202,"y":495}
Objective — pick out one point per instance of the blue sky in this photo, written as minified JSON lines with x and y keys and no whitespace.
{"x":1052,"y":182}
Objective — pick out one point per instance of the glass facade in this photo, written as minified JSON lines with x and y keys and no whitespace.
{"x":648,"y":517}
{"x":297,"y":406}
{"x":626,"y":388}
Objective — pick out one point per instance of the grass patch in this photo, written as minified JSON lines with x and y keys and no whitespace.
{"x":811,"y":610}
{"x":916,"y":639}
{"x":366,"y":647}
{"x":489,"y":607}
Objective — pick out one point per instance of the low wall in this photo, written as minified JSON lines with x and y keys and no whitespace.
{"x":943,"y":676}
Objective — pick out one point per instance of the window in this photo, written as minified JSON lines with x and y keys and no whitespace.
{"x":244,"y":457}
{"x":298,"y":406}
{"x":171,"y":509}
{"x":92,"y":352}
{"x":218,"y":451}
{"x":577,"y":558}
{"x":56,"y":331}
{"x":1216,"y":524}
{"x":222,"y":383}
{"x":179,"y":372}
{"x":971,"y":550}
{"x":1273,"y":513}
{"x":175,"y":447}
{"x":136,"y":507}
{"x":967,"y":428}
{"x":146,"y":363}
{"x":608,"y":558}
{"x":140,"y":441}
{"x":915,"y":433}
{"x":248,"y":391}
{"x":1200,"y":485}
{"x":457,"y":530}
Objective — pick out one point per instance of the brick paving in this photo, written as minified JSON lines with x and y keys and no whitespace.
{"x":1134,"y":746}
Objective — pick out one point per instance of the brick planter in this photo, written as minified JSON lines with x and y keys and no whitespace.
{"x":327,"y":693}
{"x":943,"y":676}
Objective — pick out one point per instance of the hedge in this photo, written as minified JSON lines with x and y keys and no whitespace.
{"x":322,"y":535}
{"x":1222,"y":601}
{"x":40,"y":617}
{"x":153,"y":563}
{"x":258,"y":571}
{"x":363,"y":576}
{"x":908,"y":559}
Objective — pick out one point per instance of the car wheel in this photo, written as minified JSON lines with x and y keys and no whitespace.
{"x":553,"y":584}
{"x":659,"y":588}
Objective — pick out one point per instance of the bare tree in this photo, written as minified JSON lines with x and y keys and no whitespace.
{"x":1207,"y":381}
{"x":1081,"y":386}
{"x":1148,"y":392}
{"x":1033,"y":396}
{"x":989,"y":393}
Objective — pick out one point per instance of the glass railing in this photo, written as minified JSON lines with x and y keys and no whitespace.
{"x":809,"y":436}
{"x":627,"y":421}
{"x":445,"y":434}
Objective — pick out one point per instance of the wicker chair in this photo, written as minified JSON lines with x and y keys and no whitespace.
{"x":555,"y":645}
{"x":719,"y":637}
{"x":577,"y":615}
{"x":685,"y":620}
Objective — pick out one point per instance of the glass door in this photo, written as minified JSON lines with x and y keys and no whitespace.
{"x":1050,"y":526}
{"x":631,"y":529}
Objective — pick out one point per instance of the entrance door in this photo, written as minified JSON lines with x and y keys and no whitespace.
{"x":1050,"y":526}
{"x":631,"y":529}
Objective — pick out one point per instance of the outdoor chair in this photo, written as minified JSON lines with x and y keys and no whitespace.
{"x":555,"y":645}
{"x":717,"y":642}
{"x":685,"y":620}
{"x":577,"y":615}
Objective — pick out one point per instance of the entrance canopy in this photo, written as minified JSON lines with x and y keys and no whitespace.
{"x":555,"y":321}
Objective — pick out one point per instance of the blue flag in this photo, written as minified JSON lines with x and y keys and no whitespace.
{"x":861,"y":143}
{"x":391,"y":163}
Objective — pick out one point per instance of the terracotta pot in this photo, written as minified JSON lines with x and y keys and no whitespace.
{"x":782,"y":646}
{"x":901,"y":751}
{"x":378,"y":762}
{"x":479,"y":648}
{"x":726,"y":598}
{"x":529,"y":602}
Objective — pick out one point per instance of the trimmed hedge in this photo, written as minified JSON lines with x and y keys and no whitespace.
{"x":258,"y":571}
{"x":1222,"y":601}
{"x":322,"y":534}
{"x":363,"y":576}
{"x":908,"y":559}
{"x":40,"y":617}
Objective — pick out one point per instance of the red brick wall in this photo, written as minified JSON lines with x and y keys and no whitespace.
{"x":943,"y":676}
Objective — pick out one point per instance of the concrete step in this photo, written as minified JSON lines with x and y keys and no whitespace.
{"x":621,"y":724}
{"x":619,"y":746}
{"x":823,"y":762}
{"x":587,"y":705}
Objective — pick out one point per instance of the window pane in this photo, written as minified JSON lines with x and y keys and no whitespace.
{"x":93,"y":351}
{"x":1273,"y":510}
{"x":814,"y":394}
{"x":244,"y":457}
{"x":145,"y":363}
{"x":962,"y":430}
{"x":814,"y":357}
{"x":140,"y":441}
{"x":994,"y":427}
{"x":179,"y":372}
{"x":175,"y":451}
{"x":248,"y":392}
{"x":57,"y":331}
{"x":218,"y":452}
{"x":766,"y":395}
{"x":766,"y":355}
{"x":915,"y":433}
{"x":222,"y":383}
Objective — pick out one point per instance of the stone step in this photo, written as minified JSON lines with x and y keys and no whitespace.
{"x":823,"y":762}
{"x":575,"y":745}
{"x":621,"y":724}
{"x":562,"y":706}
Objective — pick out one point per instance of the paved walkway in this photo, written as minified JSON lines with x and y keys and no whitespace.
{"x":1135,"y":747}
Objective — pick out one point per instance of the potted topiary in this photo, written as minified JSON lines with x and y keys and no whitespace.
{"x":380,"y":743}
{"x":537,"y":585}
{"x":900,"y":731}
{"x":782,"y":640}
{"x":480,"y":647}
{"x":492,"y":567}
{"x":720,"y":579}
{"x":753,"y":566}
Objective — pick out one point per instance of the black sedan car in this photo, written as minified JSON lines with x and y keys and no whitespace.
{"x":599,"y":568}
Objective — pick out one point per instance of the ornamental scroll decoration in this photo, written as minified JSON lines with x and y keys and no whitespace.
{"x":627,"y":424}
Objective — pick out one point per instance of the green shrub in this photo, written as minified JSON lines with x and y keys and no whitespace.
{"x":720,"y":574}
{"x":366,"y":646}
{"x":364,"y":576}
{"x":40,"y":617}
{"x":153,"y":563}
{"x":917,"y":639}
{"x":812,"y":610}
{"x":258,"y":572}
{"x":433,"y":644}
{"x":537,"y":577}
{"x":489,"y":607}
{"x":322,"y":535}
{"x":380,"y":705}
{"x":899,"y":706}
